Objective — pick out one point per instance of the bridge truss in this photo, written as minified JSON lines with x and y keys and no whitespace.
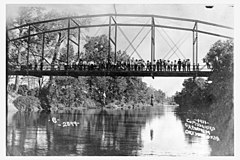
{"x":73,"y":24}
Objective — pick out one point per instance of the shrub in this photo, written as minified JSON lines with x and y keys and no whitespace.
{"x":27,"y":103}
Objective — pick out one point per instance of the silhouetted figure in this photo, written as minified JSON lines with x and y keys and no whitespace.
{"x":184,"y":65}
{"x":151,"y":100}
{"x":171,"y":66}
{"x":139,"y":64}
{"x":128,"y":65}
{"x":197,"y":67}
{"x":168,"y":65}
{"x":142,"y":65}
{"x":161,"y":64}
{"x":188,"y":65}
{"x":179,"y":65}
{"x":80,"y":64}
{"x":148,"y":65}
{"x":158,"y":65}
{"x":154,"y":65}
{"x":208,"y":65}
{"x":175,"y":65}
{"x":135,"y":65}
{"x":131,"y":64}
{"x":164,"y":65}
{"x":151,"y":134}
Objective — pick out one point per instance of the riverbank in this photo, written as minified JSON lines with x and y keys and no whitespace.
{"x":10,"y":106}
{"x":219,"y":114}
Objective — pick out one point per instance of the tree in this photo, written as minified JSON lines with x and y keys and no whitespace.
{"x":54,"y":41}
{"x":201,"y":92}
{"x":221,"y":57}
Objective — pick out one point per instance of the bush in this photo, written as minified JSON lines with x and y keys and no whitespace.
{"x":27,"y":103}
{"x":88,"y":103}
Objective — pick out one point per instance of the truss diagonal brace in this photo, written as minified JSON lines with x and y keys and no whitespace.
{"x":134,"y":49}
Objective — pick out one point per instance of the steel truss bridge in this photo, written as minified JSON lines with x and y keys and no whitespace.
{"x":34,"y":29}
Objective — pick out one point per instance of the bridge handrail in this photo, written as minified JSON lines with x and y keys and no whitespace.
{"x":71,"y":67}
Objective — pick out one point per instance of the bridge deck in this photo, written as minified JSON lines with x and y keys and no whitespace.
{"x":76,"y":73}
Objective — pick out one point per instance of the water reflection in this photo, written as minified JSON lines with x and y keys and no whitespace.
{"x":152,"y":131}
{"x":223,"y":130}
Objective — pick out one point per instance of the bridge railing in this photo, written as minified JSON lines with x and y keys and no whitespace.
{"x":106,"y":67}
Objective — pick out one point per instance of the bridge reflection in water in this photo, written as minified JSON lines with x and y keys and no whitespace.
{"x":153,"y":131}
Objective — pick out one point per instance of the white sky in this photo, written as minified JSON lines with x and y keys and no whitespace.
{"x":220,"y":14}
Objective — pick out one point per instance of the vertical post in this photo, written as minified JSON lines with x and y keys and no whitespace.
{"x":193,"y":47}
{"x":109,"y":41}
{"x":152,"y":40}
{"x":43,"y":41}
{"x":115,"y":41}
{"x":196,"y":43}
{"x":7,"y":54}
{"x":79,"y":31}
{"x":68,"y":34}
{"x":7,"y":58}
{"x":28,"y":50}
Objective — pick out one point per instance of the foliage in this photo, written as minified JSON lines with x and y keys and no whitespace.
{"x":194,"y":93}
{"x":27,"y":103}
{"x":200,"y":91}
{"x":221,"y":56}
{"x":122,"y":89}
{"x":67,"y":91}
{"x":217,"y":95}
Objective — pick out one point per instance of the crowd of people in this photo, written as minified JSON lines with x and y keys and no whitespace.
{"x":129,"y":65}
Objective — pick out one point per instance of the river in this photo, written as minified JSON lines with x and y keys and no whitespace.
{"x":149,"y":131}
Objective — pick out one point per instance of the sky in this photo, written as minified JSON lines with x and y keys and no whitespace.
{"x":221,"y":14}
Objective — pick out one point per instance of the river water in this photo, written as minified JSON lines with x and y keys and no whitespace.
{"x":149,"y":131}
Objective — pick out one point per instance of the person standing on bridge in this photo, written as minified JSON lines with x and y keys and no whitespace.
{"x":158,"y":65}
{"x":175,"y":65}
{"x":148,"y":66}
{"x":80,"y":64}
{"x":73,"y":64}
{"x":188,"y":65}
{"x":197,"y":67}
{"x":171,"y":67}
{"x":168,"y":65}
{"x":139,"y":64}
{"x":179,"y":65}
{"x":128,"y":64}
{"x":154,"y":65}
{"x":184,"y":65}
{"x":132,"y":64}
{"x":164,"y":65}
{"x":84,"y":65}
{"x":208,"y":65}
{"x":142,"y":65}
{"x":135,"y":65}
